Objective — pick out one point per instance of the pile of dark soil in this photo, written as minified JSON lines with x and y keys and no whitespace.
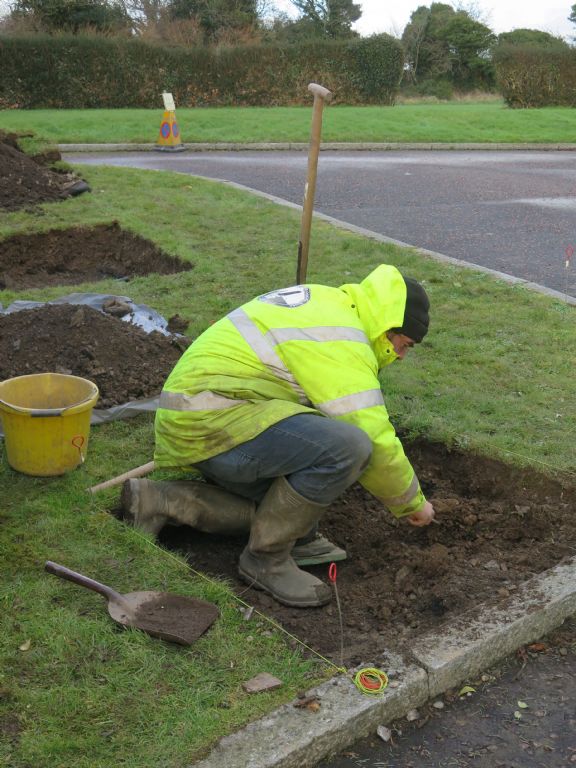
{"x":24,"y":181}
{"x":125,"y":362}
{"x":81,"y":254}
{"x":495,"y":529}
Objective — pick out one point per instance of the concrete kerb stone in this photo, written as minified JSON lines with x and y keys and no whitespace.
{"x":298,"y":738}
{"x":266,"y":146}
{"x":294,"y":737}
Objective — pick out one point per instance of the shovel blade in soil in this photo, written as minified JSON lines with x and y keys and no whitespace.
{"x":167,"y":616}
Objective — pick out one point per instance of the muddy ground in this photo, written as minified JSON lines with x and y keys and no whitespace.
{"x":493,"y":532}
{"x":123,"y":361}
{"x":496,"y":527}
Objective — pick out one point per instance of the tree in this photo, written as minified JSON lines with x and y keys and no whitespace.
{"x":326,"y":18}
{"x":532,"y":37}
{"x":73,"y":15}
{"x":469,"y":43}
{"x":427,"y":52}
{"x":443,"y":44}
{"x":214,"y":16}
{"x":412,"y":39}
{"x":572,"y":16}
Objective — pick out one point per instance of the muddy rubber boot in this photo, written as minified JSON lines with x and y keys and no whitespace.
{"x":150,"y":505}
{"x":317,"y":551}
{"x":281,"y":518}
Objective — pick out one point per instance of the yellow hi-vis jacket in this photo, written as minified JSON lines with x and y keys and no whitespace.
{"x":305,"y":349}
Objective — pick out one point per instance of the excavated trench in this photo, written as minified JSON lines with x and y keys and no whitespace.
{"x":496,"y":527}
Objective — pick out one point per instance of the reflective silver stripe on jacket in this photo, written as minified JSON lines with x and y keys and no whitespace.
{"x":264,"y":350}
{"x":203,"y":401}
{"x":397,"y":501}
{"x":349,"y":403}
{"x":317,"y":333}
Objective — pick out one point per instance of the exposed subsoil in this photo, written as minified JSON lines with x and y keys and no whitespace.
{"x":125,"y":362}
{"x":26,"y":181}
{"x":495,"y":529}
{"x":81,"y":254}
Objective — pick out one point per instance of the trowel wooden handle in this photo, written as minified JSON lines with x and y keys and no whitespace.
{"x":77,"y":578}
{"x":140,"y":471}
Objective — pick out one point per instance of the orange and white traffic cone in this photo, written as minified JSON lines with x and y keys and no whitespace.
{"x":169,"y":137}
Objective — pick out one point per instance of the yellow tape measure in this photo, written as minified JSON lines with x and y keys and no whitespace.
{"x":371,"y":681}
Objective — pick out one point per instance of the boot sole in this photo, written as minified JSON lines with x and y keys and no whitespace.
{"x":281,"y":599}
{"x":320,"y":559}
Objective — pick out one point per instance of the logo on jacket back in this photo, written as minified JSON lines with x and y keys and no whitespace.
{"x":287,"y":297}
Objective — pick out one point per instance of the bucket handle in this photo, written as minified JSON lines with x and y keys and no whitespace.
{"x":43,"y":412}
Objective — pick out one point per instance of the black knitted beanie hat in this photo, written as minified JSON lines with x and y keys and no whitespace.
{"x":416,"y":318}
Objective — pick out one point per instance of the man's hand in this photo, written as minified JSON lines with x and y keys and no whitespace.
{"x":424,"y":516}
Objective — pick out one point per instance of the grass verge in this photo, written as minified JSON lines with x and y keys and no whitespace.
{"x":488,"y":122}
{"x":494,"y":376}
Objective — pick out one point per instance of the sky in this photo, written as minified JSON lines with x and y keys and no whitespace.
{"x":502,"y":16}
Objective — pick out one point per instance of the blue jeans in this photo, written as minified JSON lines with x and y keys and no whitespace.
{"x":320,"y":458}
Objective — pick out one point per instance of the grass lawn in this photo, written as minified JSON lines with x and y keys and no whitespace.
{"x":495,"y":376}
{"x":443,"y":122}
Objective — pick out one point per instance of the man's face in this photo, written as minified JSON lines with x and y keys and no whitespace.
{"x":402,"y":344}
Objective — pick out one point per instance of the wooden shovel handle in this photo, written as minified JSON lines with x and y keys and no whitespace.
{"x":319,"y":90}
{"x":321,"y":95}
{"x":144,"y":469}
{"x":77,"y":578}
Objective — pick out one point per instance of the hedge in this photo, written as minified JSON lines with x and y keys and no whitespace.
{"x":536,"y":76}
{"x":82,"y":72}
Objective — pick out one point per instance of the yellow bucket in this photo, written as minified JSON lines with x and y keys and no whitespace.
{"x":46,"y":419}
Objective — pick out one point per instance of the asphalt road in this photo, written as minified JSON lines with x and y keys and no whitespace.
{"x":510,"y":211}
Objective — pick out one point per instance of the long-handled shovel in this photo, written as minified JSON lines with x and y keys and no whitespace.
{"x":170,"y":617}
{"x":321,"y":95}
